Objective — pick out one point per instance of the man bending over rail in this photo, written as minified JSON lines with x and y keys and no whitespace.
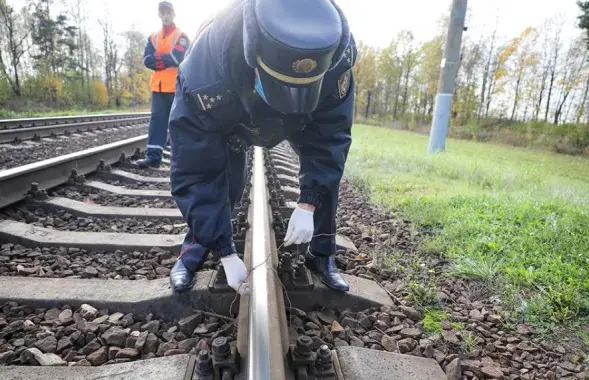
{"x":260,"y":72}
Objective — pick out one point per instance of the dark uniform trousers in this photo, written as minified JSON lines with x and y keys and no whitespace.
{"x":323,"y":243}
{"x":161,"y":104}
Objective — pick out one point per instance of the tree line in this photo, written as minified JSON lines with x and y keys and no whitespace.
{"x":48,"y":60}
{"x":532,"y":88}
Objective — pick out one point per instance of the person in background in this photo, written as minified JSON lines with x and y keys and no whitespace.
{"x":163,"y":54}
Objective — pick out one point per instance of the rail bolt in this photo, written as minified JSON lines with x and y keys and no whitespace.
{"x":241,"y":217}
{"x":304,"y":346}
{"x":204,"y":363}
{"x":221,"y":349}
{"x":324,"y":360}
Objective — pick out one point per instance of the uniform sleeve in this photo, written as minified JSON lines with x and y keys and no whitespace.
{"x":175,"y":58}
{"x":149,"y":59}
{"x":199,"y":175}
{"x":327,"y":138}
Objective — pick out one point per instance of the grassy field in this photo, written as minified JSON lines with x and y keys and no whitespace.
{"x":516,"y":218}
{"x":6,"y":114}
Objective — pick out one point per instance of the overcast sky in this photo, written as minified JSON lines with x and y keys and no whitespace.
{"x":373,"y":21}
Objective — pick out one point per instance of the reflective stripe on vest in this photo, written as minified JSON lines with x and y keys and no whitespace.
{"x":165,"y":80}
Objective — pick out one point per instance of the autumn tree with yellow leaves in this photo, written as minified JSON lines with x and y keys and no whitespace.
{"x":48,"y":60}
{"x":536,"y":73}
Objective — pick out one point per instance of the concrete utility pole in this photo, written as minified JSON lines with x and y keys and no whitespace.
{"x":449,"y":65}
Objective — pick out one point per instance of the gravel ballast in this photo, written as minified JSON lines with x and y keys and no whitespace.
{"x":11,"y":157}
{"x":104,"y":198}
{"x":91,"y":337}
{"x":64,"y":221}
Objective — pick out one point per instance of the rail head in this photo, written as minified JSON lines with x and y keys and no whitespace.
{"x":27,"y":133}
{"x":267,"y":316}
{"x":15,"y":182}
{"x":41,"y":121}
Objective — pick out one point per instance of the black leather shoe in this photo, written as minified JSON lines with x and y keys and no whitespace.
{"x":148,"y":163}
{"x":324,"y":267}
{"x":181,"y":279}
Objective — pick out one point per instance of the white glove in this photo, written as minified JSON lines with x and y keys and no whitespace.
{"x":236,"y":273}
{"x":300,"y":227}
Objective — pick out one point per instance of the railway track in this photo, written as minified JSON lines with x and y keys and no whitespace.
{"x":60,"y":120}
{"x":36,"y":129}
{"x":86,"y":244}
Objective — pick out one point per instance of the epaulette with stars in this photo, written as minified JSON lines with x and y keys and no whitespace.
{"x":212,"y":96}
{"x":349,"y":55}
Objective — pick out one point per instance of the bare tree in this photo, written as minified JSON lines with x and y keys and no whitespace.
{"x":554,"y":55}
{"x":409,"y":58}
{"x":526,"y":59}
{"x":79,"y":14}
{"x":575,"y":63}
{"x":112,"y":60}
{"x":583,"y":103}
{"x":545,"y":68}
{"x":14,"y":34}
{"x":487,"y":74}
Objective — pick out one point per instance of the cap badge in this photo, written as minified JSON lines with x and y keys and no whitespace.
{"x":304,"y":66}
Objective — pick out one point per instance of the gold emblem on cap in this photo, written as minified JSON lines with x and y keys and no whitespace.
{"x":304,"y":66}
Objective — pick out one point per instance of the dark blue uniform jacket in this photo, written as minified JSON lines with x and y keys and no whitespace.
{"x":215,"y":102}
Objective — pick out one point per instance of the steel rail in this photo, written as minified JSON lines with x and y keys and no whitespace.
{"x":267,"y":327}
{"x":16,"y":182}
{"x":16,"y":134}
{"x":41,"y":121}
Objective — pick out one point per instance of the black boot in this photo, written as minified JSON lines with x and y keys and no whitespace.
{"x":192,"y":258}
{"x":182,"y":279}
{"x":148,"y":162}
{"x":324,"y":267}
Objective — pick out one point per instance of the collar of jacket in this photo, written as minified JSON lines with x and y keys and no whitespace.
{"x":169,"y":29}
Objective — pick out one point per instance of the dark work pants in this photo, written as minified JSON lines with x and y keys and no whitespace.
{"x":323,"y":242}
{"x":161,"y":104}
{"x":193,"y":254}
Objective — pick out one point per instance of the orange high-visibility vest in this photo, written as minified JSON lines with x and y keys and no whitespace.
{"x":165,"y":80}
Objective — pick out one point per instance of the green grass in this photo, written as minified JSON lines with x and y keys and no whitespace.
{"x":432,"y":321}
{"x":7,"y":114}
{"x":512,"y":216}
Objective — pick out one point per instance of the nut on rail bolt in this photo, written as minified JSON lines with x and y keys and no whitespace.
{"x":324,"y":364}
{"x":324,"y":359}
{"x":75,"y":178}
{"x":103,"y":166}
{"x":304,"y":346}
{"x":204,"y":366}
{"x":241,"y":217}
{"x":37,"y":194}
{"x":225,"y":359}
{"x":286,"y":270}
{"x":136,"y":154}
{"x":123,"y":158}
{"x":221,"y":348}
{"x":302,"y":357}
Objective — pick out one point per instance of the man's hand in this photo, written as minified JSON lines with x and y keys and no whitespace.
{"x":236,"y":273}
{"x":300,"y":227}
